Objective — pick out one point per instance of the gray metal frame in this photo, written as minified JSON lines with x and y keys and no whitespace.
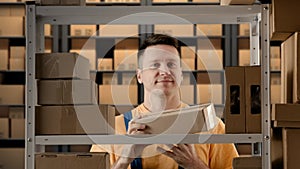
{"x":37,"y":16}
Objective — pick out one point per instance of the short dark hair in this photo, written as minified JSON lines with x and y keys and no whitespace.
{"x":157,"y":39}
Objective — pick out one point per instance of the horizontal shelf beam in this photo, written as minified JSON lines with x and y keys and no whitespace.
{"x":147,"y":139}
{"x":144,"y":14}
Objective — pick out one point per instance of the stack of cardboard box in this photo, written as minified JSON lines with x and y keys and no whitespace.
{"x":62,"y":2}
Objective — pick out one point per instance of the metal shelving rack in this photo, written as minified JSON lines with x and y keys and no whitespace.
{"x":37,"y":16}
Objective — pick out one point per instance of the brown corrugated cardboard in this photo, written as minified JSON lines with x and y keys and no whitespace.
{"x":127,"y":44}
{"x":188,"y":63}
{"x":17,"y":51}
{"x":237,"y":2}
{"x":4,"y":110}
{"x":194,"y":119}
{"x":275,"y":52}
{"x":109,"y":78}
{"x":105,"y":64}
{"x":291,"y":138}
{"x":118,"y":94}
{"x":61,"y":65}
{"x":276,"y":148}
{"x":12,"y":158}
{"x":296,"y":71}
{"x":4,"y":10}
{"x":17,"y":64}
{"x":17,"y":10}
{"x":90,"y":54}
{"x":4,"y":59}
{"x":187,"y":94}
{"x":72,"y":160}
{"x":14,"y":26}
{"x":275,"y":94}
{"x":80,"y":148}
{"x":4,"y":128}
{"x":247,"y":162}
{"x":286,"y":112}
{"x":244,"y":29}
{"x":16,"y":113}
{"x":91,"y":119}
{"x":209,"y":78}
{"x":207,"y":93}
{"x":118,"y":30}
{"x":185,"y":30}
{"x":253,"y":99}
{"x":188,"y":52}
{"x":121,"y":109}
{"x":235,"y":100}
{"x":83,"y":30}
{"x":209,"y":29}
{"x":215,"y":1}
{"x":49,"y":2}
{"x":125,"y":59}
{"x":244,"y":148}
{"x":244,"y":57}
{"x":287,"y":66}
{"x":275,"y":64}
{"x":73,"y":2}
{"x":62,"y":92}
{"x":210,"y":59}
{"x":291,"y":124}
{"x":17,"y":128}
{"x":12,"y":94}
{"x":283,"y":19}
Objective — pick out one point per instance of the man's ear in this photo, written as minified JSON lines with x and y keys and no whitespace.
{"x":139,"y":76}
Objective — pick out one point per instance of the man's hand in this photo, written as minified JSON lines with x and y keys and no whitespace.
{"x":185,"y":155}
{"x":131,"y":151}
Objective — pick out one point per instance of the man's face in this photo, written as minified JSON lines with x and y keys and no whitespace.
{"x":160,"y":69}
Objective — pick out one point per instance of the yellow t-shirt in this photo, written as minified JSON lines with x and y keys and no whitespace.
{"x":216,"y":156}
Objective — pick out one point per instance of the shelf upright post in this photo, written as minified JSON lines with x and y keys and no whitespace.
{"x":30,"y":93}
{"x":254,"y":41}
{"x":265,"y":78}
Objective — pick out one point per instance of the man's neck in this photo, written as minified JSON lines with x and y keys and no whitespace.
{"x":155,"y":103}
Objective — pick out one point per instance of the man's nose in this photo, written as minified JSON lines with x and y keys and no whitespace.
{"x":164,"y":69}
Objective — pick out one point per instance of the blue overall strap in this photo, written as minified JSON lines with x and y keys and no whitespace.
{"x":137,"y":162}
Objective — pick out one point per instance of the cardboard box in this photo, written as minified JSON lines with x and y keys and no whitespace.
{"x":17,"y":128}
{"x":118,"y":30}
{"x":4,"y":10}
{"x":187,"y":94}
{"x":287,"y":67}
{"x":14,"y":26}
{"x":185,"y":30}
{"x":62,"y":92}
{"x":16,"y":112}
{"x":247,"y":162}
{"x":12,"y":94}
{"x":194,"y":119}
{"x":121,"y":109}
{"x":90,"y":54}
{"x":210,"y":77}
{"x":276,"y":148}
{"x":127,"y":43}
{"x":275,"y":64}
{"x":244,"y":57}
{"x":207,"y":93}
{"x":83,"y":30}
{"x":48,"y":2}
{"x":244,"y":29}
{"x":253,"y":99}
{"x":215,"y":1}
{"x":275,"y":93}
{"x":4,"y":110}
{"x":86,"y":119}
{"x":129,"y":79}
{"x":188,"y":52}
{"x":296,"y":71}
{"x":235,"y":100}
{"x":109,"y":79}
{"x":61,"y":65}
{"x":105,"y":64}
{"x":125,"y":59}
{"x":210,"y":60}
{"x":118,"y":94}
{"x":187,"y":78}
{"x":73,"y":2}
{"x":244,"y":148}
{"x":4,"y":59}
{"x":47,"y":30}
{"x":188,"y":64}
{"x":80,"y":148}
{"x":72,"y":160}
{"x":282,"y":19}
{"x":237,"y":2}
{"x":291,"y":138}
{"x":12,"y":158}
{"x":275,"y":52}
{"x":17,"y":51}
{"x":286,"y":112}
{"x":209,"y":29}
{"x":17,"y":64}
{"x":17,"y":10}
{"x":4,"y":128}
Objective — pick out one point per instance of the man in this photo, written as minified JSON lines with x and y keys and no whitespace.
{"x":161,"y":74}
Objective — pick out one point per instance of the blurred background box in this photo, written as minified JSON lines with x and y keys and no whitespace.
{"x":184,"y":30}
{"x":12,"y":94}
{"x":12,"y":158}
{"x":118,"y":94}
{"x":209,"y":29}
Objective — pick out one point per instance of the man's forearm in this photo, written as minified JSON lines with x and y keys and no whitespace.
{"x":122,"y":163}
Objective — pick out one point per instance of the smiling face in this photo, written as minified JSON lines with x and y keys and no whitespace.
{"x":161,"y":70}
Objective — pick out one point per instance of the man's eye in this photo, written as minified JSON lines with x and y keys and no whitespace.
{"x":172,"y":65}
{"x":155,"y":65}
